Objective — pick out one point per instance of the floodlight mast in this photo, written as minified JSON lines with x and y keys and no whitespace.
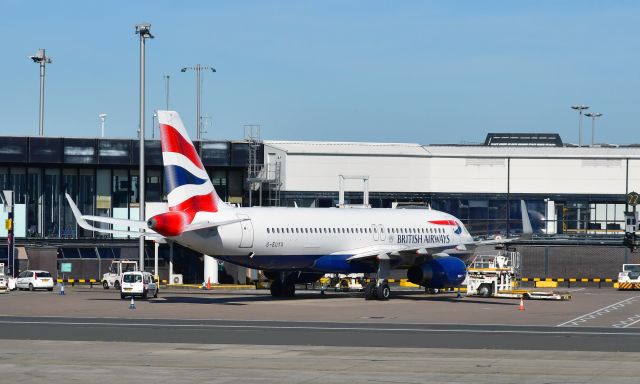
{"x":144,"y":31}
{"x":42,"y":60}
{"x":579,"y":108}
{"x":102,"y":117}
{"x":198,"y":69}
{"x":593,"y":116}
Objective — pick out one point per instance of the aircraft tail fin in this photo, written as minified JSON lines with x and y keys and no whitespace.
{"x":527,"y":230}
{"x":189,"y":188}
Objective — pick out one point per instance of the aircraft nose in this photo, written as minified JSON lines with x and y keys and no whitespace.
{"x":152,"y":223}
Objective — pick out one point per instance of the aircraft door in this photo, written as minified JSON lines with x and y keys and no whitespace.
{"x":374,"y":230}
{"x":247,"y":232}
{"x":383,"y":235}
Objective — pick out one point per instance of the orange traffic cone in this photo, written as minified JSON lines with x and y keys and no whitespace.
{"x":521,"y":304}
{"x":209,"y":283}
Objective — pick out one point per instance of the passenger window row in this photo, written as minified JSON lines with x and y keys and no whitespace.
{"x":354,"y":230}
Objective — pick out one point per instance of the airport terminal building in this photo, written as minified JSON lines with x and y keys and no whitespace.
{"x":569,"y":190}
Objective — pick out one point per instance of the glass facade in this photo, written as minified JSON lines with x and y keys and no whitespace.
{"x":101,"y":176}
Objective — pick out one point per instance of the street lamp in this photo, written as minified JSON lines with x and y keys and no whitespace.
{"x":144,"y":31}
{"x":197,"y":69}
{"x":102,"y":117}
{"x":593,"y":116}
{"x":42,"y":59}
{"x":579,"y":108}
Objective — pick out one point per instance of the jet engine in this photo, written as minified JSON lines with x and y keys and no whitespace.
{"x":169,"y":223}
{"x":440,"y":272}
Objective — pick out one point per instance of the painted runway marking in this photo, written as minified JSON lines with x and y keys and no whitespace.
{"x":325,"y":328}
{"x":629,"y":321}
{"x":599,"y":312}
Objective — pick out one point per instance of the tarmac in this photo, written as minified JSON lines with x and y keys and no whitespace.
{"x":226,"y":336}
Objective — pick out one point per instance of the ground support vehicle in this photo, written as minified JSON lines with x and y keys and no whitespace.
{"x":138,"y":284}
{"x":629,"y":278}
{"x":346,"y":283}
{"x":4,"y":280}
{"x":497,"y":276}
{"x":113,"y":278}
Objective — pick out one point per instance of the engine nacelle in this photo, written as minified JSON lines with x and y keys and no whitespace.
{"x":169,"y":223}
{"x":441,"y":272}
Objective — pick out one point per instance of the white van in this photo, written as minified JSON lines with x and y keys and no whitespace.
{"x":138,"y":283}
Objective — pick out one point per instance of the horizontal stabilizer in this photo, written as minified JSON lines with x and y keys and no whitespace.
{"x":210,"y":224}
{"x":82,"y":222}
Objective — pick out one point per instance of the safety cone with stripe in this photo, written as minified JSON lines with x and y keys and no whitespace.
{"x":521,"y":304}
{"x":133,"y":304}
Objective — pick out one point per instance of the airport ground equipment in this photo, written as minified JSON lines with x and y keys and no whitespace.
{"x":113,"y":278}
{"x":629,"y":278}
{"x":4,"y":280}
{"x":488,"y":275}
{"x":497,"y":276}
{"x":345,"y":283}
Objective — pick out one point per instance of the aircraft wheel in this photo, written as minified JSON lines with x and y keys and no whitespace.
{"x":383,"y":292}
{"x":276,"y":288}
{"x":484,"y":290}
{"x":370,"y":291}
{"x":288,"y":289}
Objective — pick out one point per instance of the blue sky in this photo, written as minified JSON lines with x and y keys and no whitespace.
{"x":395,"y":71}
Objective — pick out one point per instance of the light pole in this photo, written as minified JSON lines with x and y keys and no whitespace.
{"x":579,"y":108}
{"x":42,"y":59}
{"x":102,"y":117}
{"x":197,"y":69}
{"x":144,"y":31}
{"x":593,"y":116}
{"x":166,"y":91}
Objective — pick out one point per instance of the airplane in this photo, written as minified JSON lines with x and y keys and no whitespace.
{"x":294,"y":245}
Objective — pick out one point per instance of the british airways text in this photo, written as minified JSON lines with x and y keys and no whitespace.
{"x":428,"y":239}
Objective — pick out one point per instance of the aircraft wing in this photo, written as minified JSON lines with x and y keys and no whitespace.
{"x":391,"y":250}
{"x":82,"y":222}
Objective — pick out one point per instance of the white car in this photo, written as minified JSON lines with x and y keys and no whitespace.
{"x":32,"y":280}
{"x":138,"y":283}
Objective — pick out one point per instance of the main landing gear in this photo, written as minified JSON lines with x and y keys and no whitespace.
{"x":375,"y":291}
{"x":378,"y":289}
{"x":283,"y":288}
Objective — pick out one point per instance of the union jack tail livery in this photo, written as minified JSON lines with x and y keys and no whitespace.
{"x":189,"y":188}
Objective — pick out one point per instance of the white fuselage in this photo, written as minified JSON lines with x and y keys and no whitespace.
{"x":272,"y":238}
